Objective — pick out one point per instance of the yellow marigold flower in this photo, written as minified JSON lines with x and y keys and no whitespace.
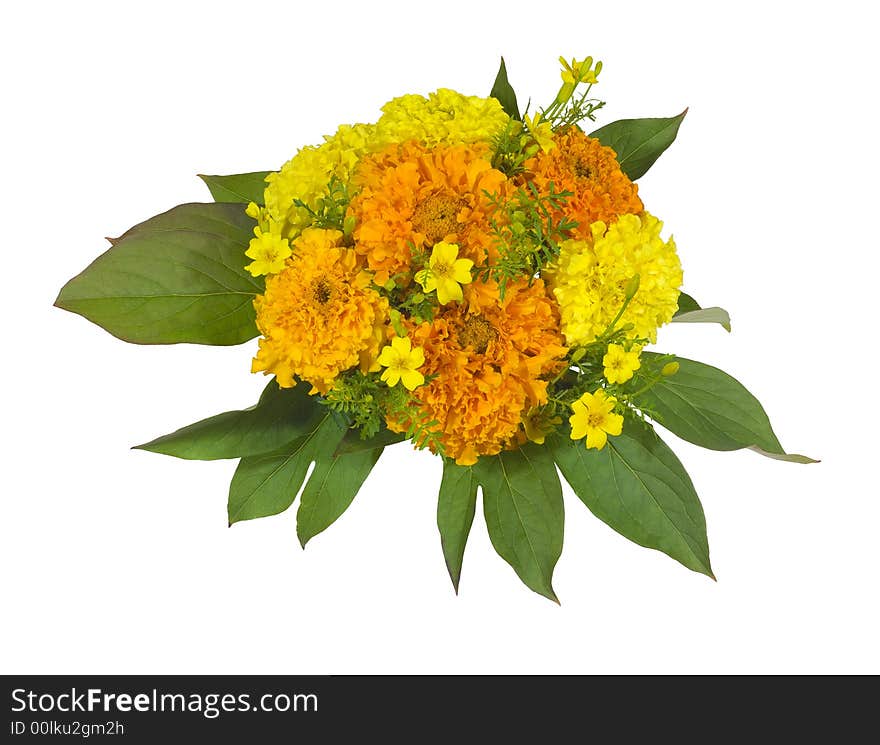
{"x":488,"y":360}
{"x":446,"y":273}
{"x":403,"y":363}
{"x":619,"y":365}
{"x":579,"y":164}
{"x":537,"y":425}
{"x":593,"y":417}
{"x":445,"y":117}
{"x":541,"y":131}
{"x":319,"y":315}
{"x":413,"y":196}
{"x":590,"y":279}
{"x":268,"y":251}
{"x":306,"y":176}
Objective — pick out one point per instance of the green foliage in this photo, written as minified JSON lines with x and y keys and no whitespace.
{"x":522,"y":504}
{"x":178,"y":277}
{"x":504,"y":93}
{"x":705,"y":406}
{"x":689,"y":311}
{"x":330,"y":490}
{"x":636,"y":485}
{"x":330,"y":212}
{"x":639,"y":142}
{"x":528,"y":229}
{"x":240,"y":188}
{"x":266,"y":485}
{"x":279,"y":417}
{"x":456,"y":505}
{"x":509,"y":149}
{"x":366,"y":401}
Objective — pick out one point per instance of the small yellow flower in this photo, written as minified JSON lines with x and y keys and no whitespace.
{"x":402,"y":362}
{"x":541,"y":131}
{"x":538,"y":425}
{"x":619,"y":364}
{"x":593,"y":416}
{"x":269,"y":251}
{"x":446,"y":273}
{"x":580,"y":72}
{"x":670,"y":368}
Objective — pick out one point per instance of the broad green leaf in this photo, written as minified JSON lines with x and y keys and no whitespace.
{"x":265,"y":485}
{"x":522,"y":503}
{"x":456,"y":506}
{"x":176,"y":278}
{"x":639,"y":142}
{"x":636,"y":485}
{"x":505,"y":94}
{"x":241,"y":188}
{"x":281,"y":416}
{"x":222,"y":222}
{"x":331,"y":489}
{"x":353,"y":442}
{"x":689,"y":311}
{"x":705,"y":406}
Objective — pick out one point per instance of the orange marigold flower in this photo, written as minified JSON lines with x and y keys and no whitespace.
{"x":490,"y":359}
{"x":319,"y":315}
{"x":579,"y":164}
{"x":414,"y":196}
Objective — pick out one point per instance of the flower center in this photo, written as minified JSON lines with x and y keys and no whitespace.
{"x":442,"y":269}
{"x":321,"y":290}
{"x":582,"y":170}
{"x":595,"y":419}
{"x":476,"y":332}
{"x":435,"y":216}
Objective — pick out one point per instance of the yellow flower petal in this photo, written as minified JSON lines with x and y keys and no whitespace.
{"x":461,"y":271}
{"x":596,"y":438}
{"x":412,"y":379}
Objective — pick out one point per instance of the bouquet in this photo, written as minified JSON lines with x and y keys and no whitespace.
{"x":479,"y":282}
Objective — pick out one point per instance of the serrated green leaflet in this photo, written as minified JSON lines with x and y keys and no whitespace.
{"x":330,"y":490}
{"x":637,"y":486}
{"x":456,"y":505}
{"x":689,"y":311}
{"x":265,"y":485}
{"x":522,"y":504}
{"x":178,"y":278}
{"x":639,"y":142}
{"x":279,"y":417}
{"x":504,"y":93}
{"x":706,"y":406}
{"x":240,"y":188}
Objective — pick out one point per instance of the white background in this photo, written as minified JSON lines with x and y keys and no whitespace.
{"x":118,"y":561}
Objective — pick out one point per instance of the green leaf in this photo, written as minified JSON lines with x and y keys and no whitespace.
{"x":505,"y":94}
{"x":265,"y":485}
{"x":240,"y":188}
{"x":705,"y":406}
{"x":456,"y":506}
{"x":686,"y":304}
{"x":639,"y":142}
{"x":636,"y":485}
{"x":331,"y":489}
{"x":281,"y":416}
{"x":522,"y":503}
{"x":689,"y":311}
{"x":178,"y":277}
{"x":353,"y":442}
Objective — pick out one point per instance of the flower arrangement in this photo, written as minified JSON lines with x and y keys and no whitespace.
{"x":474,"y":281}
